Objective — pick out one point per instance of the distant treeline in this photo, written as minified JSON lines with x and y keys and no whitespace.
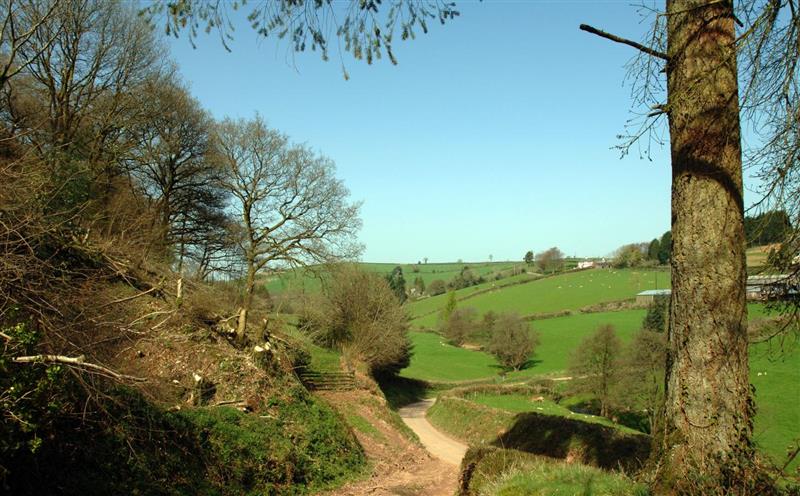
{"x":767,"y":228}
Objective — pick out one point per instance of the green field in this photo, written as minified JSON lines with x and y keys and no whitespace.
{"x":518,"y":403}
{"x":301,"y":279}
{"x":435,"y":360}
{"x":570,"y":291}
{"x":560,"y":335}
{"x":776,"y":377}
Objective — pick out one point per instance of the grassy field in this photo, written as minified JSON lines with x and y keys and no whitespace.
{"x":307,"y":280}
{"x":757,"y":256}
{"x":777,"y":422}
{"x":776,"y":377}
{"x":435,"y":360}
{"x":570,"y":291}
{"x":519,"y":403}
{"x":559,"y":336}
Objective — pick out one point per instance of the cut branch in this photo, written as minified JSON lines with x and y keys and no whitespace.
{"x":77,"y":362}
{"x":624,"y":41}
{"x":122,"y":300}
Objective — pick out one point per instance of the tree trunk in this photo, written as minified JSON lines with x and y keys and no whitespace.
{"x":250,"y":285}
{"x":708,"y":409}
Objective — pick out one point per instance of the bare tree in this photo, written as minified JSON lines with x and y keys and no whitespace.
{"x":172,"y":165}
{"x":293,"y":210}
{"x":22,"y":24}
{"x":642,"y":383}
{"x":550,"y":260}
{"x":596,"y":365}
{"x":708,"y":408}
{"x":460,"y":325}
{"x":69,"y":100}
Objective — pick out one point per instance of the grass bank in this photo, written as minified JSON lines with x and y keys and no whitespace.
{"x":296,"y":445}
{"x":553,"y":432}
{"x":493,"y":471}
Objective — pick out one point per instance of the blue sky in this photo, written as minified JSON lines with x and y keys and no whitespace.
{"x":493,"y":135}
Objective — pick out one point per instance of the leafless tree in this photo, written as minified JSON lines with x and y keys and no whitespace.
{"x":642,"y":383}
{"x":22,"y":22}
{"x":172,"y":164}
{"x":550,"y":260}
{"x":293,"y":211}
{"x":460,"y":325}
{"x":70,"y":98}
{"x":596,"y":366}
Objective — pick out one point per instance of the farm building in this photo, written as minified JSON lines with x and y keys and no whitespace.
{"x":647,"y":297}
{"x":764,"y":287}
{"x":592,"y":264}
{"x":758,"y":288}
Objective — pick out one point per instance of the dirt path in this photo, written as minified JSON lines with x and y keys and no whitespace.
{"x":440,"y":445}
{"x":399,"y":466}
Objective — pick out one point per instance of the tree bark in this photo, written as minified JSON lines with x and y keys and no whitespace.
{"x":249,"y":289}
{"x":708,"y":410}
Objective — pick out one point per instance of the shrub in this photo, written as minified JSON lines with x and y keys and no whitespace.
{"x":360,"y":316}
{"x":487,"y":470}
{"x":512,"y":341}
{"x":437,"y":287}
{"x":306,"y":445}
{"x":465,"y":279}
{"x":630,"y":255}
{"x":461,"y":325}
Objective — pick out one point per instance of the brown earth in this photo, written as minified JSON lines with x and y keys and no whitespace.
{"x":399,"y":464}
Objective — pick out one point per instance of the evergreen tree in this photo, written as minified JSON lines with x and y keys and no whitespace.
{"x":665,"y":248}
{"x":397,"y":283}
{"x":657,"y":315}
{"x":449,"y":306}
{"x":528,"y":259}
{"x":653,"y":249}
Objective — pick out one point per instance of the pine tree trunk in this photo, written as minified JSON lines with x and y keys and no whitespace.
{"x":707,"y":425}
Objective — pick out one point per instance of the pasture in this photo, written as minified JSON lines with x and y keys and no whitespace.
{"x":775,"y":373}
{"x":568,"y":291}
{"x":436,"y":361}
{"x":309,"y":279}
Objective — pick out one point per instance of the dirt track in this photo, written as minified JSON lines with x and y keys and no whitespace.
{"x":400,"y":467}
{"x":438,"y":444}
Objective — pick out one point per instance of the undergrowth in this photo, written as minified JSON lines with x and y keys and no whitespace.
{"x":128,"y":445}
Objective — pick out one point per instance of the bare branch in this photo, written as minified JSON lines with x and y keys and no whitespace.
{"x":624,"y":41}
{"x":77,"y":362}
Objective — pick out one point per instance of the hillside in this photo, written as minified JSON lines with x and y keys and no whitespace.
{"x":309,"y":279}
{"x":568,"y":291}
{"x":775,"y":374}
